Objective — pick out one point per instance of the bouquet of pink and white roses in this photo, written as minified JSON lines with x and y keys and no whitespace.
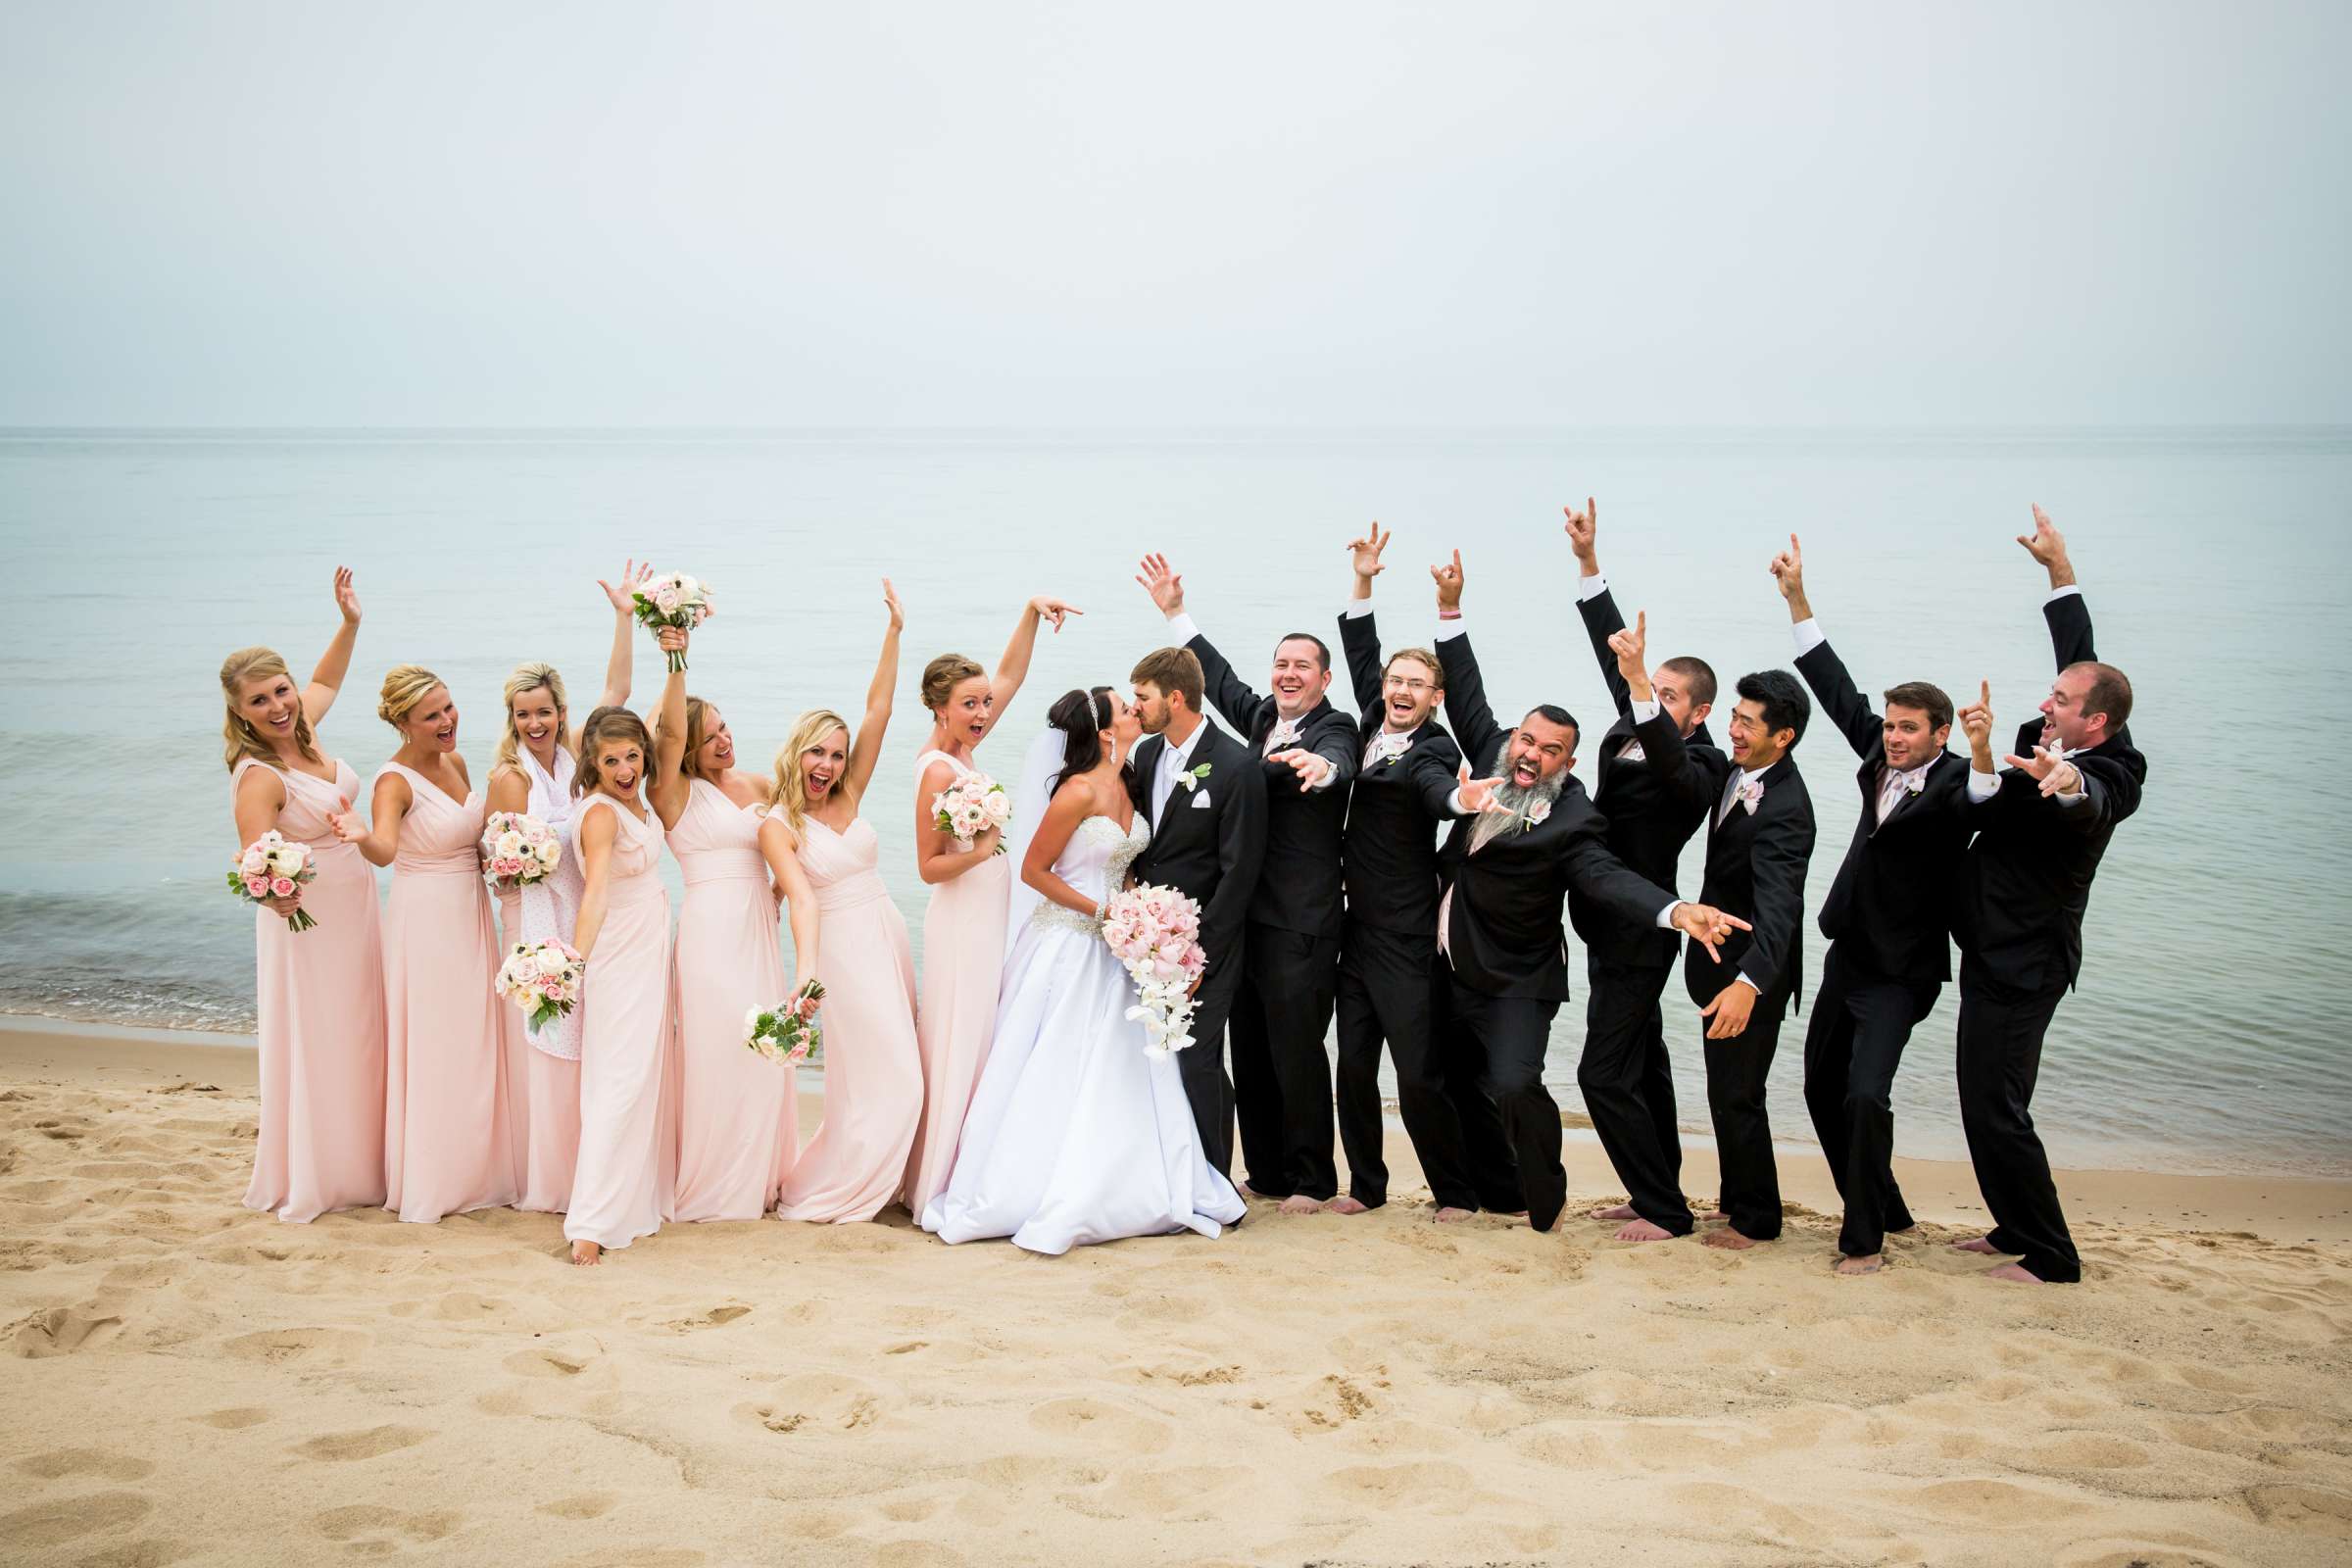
{"x":673,"y":599}
{"x":274,"y":866}
{"x":519,"y":850}
{"x":1154,"y":932}
{"x":971,"y":807}
{"x":786,"y":1032}
{"x":543,"y":979}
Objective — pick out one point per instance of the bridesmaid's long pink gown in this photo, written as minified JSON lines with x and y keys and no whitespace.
{"x":454,"y":1070}
{"x":738,"y":1126}
{"x":628,"y":1145}
{"x":963,"y":959}
{"x":320,"y":997}
{"x":873,"y":1069}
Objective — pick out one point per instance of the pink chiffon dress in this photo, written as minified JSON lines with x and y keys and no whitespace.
{"x":455,"y":1077}
{"x":627,"y":1174}
{"x":548,"y":909}
{"x":873,"y":1071}
{"x":320,"y":997}
{"x":738,"y":1127}
{"x":963,"y":959}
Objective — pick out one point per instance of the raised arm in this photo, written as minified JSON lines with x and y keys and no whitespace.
{"x":326,"y":675}
{"x":1013,"y":668}
{"x":1229,"y":692}
{"x":779,"y":849}
{"x":620,"y":665}
{"x":388,"y":807}
{"x":1595,"y":606}
{"x":2067,"y":616}
{"x":669,"y":789}
{"x":1840,"y":701}
{"x":1359,"y":639}
{"x":866,"y":749}
{"x":1466,"y":708}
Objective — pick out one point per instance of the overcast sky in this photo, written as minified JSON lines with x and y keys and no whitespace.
{"x":1115,"y":214}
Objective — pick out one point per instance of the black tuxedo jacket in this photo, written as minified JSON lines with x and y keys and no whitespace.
{"x":1300,"y":887}
{"x":1389,"y":855}
{"x":1211,"y":853}
{"x":1503,"y":929}
{"x":1756,"y":865}
{"x":2026,"y":880}
{"x":1893,"y":899}
{"x":1648,"y":823}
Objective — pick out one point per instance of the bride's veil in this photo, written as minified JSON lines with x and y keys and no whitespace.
{"x":1046,"y":755}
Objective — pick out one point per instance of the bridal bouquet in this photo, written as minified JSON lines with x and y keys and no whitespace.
{"x":786,"y":1032}
{"x":1154,"y":932}
{"x":274,"y":866}
{"x":517,"y":850}
{"x":971,"y":807}
{"x":673,"y":600}
{"x":543,"y":979}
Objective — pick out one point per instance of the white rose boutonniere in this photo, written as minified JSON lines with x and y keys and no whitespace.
{"x":1191,"y":778}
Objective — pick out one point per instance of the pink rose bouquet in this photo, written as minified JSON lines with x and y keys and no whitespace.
{"x":673,"y":599}
{"x":787,"y":1032}
{"x":1154,"y":932}
{"x":517,"y":850}
{"x":969,"y":808}
{"x":543,"y":979}
{"x":274,"y":866}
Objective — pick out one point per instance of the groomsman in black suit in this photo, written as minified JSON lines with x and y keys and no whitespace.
{"x":1526,"y":838}
{"x":1200,"y":792}
{"x":1391,"y":983}
{"x":1889,"y":918}
{"x":1759,"y":842}
{"x":1306,"y":758}
{"x":1627,"y":1080}
{"x":2041,"y":832}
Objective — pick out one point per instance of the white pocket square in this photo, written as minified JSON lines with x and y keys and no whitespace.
{"x":1200,"y":800}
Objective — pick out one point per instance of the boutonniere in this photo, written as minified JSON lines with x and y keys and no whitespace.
{"x":1193,"y":776}
{"x":1917,"y":786}
{"x":1535,"y":813}
{"x":1751,"y":794}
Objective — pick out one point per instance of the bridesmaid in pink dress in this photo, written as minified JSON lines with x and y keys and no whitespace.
{"x":873,"y":1071}
{"x":963,"y":928}
{"x":455,"y":1077}
{"x":319,"y":992}
{"x":628,"y":1167}
{"x":738,"y":1118}
{"x":532,"y":773}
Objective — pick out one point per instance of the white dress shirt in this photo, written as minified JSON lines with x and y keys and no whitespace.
{"x":1173,"y":761}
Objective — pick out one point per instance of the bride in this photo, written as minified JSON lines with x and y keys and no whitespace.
{"x":1074,"y":1134}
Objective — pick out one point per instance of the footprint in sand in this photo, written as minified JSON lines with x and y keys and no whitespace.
{"x":815,"y":1400}
{"x":2085,"y":1451}
{"x":588,"y":1505}
{"x":148,"y":1554}
{"x":235,"y":1419}
{"x":339,"y":1447}
{"x":715,"y":1318}
{"x":61,"y":1462}
{"x":276,"y":1346}
{"x":53,"y":1524}
{"x":2303,"y":1509}
{"x":62,"y":1331}
{"x":1103,"y":1424}
{"x":548,"y":1363}
{"x":373,"y":1530}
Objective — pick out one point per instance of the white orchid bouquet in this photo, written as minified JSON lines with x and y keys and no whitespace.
{"x":543,"y":979}
{"x":1154,"y":932}
{"x":969,"y":808}
{"x":519,"y":850}
{"x":787,"y":1032}
{"x":274,"y":866}
{"x":673,"y":599}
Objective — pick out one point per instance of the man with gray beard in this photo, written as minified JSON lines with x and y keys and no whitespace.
{"x":1525,"y":835}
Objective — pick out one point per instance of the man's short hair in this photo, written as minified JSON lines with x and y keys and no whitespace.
{"x":1322,"y":650}
{"x":1172,"y":669}
{"x":1930,"y":700}
{"x":1553,"y":713}
{"x":2110,"y":694}
{"x":1419,"y":656}
{"x":1782,"y":700}
{"x":1697,"y":674}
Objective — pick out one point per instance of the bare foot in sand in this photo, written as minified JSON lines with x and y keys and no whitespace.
{"x":1641,"y":1230}
{"x":1729,"y":1237}
{"x":1613,"y":1212}
{"x":1300,"y":1204}
{"x":1451,"y":1216}
{"x":1345,"y":1204}
{"x":1713,"y":1216}
{"x":1851,"y":1268}
{"x":2016,"y":1274}
{"x":1976,"y":1243}
{"x":587,"y":1253}
{"x":1249,"y":1192}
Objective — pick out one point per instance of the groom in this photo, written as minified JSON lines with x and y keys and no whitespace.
{"x":1204,"y":799}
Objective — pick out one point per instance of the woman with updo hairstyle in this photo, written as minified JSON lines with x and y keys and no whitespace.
{"x":531,"y":772}
{"x":318,"y":995}
{"x":628,"y":1167}
{"x":874,"y":1076}
{"x":963,"y":928}
{"x":454,"y":1111}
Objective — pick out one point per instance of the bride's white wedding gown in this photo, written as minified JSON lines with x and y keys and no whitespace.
{"x":1074,"y":1134}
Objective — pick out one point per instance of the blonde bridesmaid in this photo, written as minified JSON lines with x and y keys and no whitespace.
{"x":319,"y":992}
{"x":963,"y":928}
{"x":454,"y":1078}
{"x":532,"y":773}
{"x":738,"y":1118}
{"x":628,"y":1149}
{"x":873,"y":1072}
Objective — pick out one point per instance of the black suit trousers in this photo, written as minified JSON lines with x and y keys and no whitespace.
{"x":1498,"y":1045}
{"x":1389,"y":990}
{"x":1749,"y":1193}
{"x":2001,"y":1029}
{"x":1281,"y":1073}
{"x":1861,"y":1021}
{"x":1628,"y":1085}
{"x":1201,"y":1064}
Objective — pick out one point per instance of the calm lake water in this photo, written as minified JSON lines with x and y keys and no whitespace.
{"x":2214,"y":561}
